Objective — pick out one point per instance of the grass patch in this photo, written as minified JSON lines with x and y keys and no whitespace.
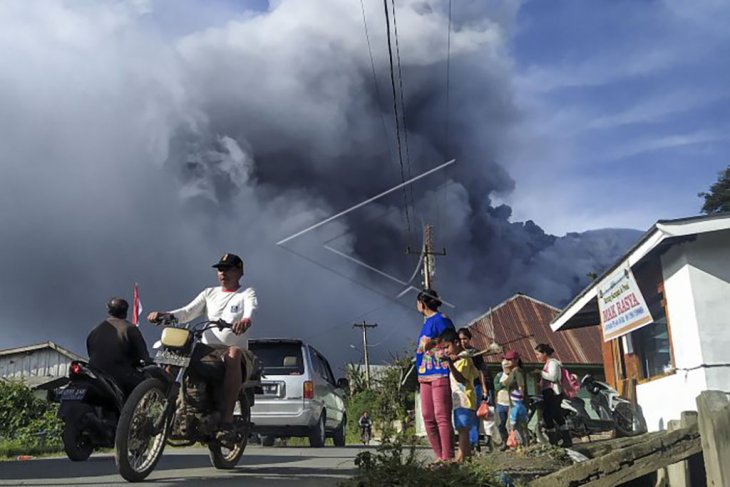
{"x":397,"y":462}
{"x":10,"y":449}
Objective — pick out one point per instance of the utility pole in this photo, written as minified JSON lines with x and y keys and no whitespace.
{"x":364,"y":326}
{"x":429,"y":260}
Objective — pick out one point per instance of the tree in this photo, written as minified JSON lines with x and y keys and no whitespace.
{"x":717,"y":200}
{"x":356,"y":378}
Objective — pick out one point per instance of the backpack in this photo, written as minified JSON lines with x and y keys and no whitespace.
{"x":569,"y":383}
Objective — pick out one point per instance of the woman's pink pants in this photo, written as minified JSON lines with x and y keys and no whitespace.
{"x":436,"y":410}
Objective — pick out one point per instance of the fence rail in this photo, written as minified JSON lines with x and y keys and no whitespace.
{"x":706,"y":432}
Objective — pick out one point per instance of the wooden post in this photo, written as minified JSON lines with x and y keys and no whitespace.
{"x":714,"y":423}
{"x":679,"y":473}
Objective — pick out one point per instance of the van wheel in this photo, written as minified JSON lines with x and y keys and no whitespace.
{"x":338,"y":435}
{"x":317,"y":434}
{"x":267,"y":440}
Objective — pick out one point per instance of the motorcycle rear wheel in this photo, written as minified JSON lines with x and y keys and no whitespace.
{"x":136,"y":449}
{"x":224,"y":458}
{"x":76,"y":443}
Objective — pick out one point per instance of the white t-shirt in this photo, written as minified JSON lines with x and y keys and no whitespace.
{"x":216,"y":304}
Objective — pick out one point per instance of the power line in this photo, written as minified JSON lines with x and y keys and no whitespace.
{"x":397,"y":119}
{"x":403,"y":107}
{"x":376,"y":85}
{"x":448,"y":81}
{"x":345,"y":276}
{"x":447,"y":118}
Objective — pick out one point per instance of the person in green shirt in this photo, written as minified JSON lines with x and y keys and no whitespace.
{"x":512,"y":378}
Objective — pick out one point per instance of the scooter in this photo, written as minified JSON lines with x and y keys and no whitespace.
{"x":90,"y":408}
{"x":612,"y":409}
{"x":614,"y":413}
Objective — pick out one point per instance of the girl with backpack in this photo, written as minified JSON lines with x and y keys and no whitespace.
{"x":552,"y":394}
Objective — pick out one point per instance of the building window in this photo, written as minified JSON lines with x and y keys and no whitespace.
{"x":652,"y":343}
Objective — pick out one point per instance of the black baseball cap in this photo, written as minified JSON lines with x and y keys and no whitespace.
{"x":229,"y":260}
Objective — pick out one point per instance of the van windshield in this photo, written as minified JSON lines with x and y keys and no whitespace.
{"x":279,"y":358}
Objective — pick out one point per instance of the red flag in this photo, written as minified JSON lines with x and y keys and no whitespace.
{"x":136,"y":306}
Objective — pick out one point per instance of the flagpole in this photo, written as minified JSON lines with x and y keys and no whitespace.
{"x":135,"y":305}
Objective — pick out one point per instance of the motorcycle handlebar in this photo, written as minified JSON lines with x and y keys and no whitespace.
{"x":206,"y":325}
{"x":164,"y":319}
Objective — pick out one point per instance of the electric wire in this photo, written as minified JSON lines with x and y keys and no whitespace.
{"x":403,"y":109}
{"x":397,"y":118}
{"x":376,"y":84}
{"x":447,"y":117}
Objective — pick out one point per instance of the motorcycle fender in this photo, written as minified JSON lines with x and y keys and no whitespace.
{"x":155,"y":372}
{"x":72,"y":411}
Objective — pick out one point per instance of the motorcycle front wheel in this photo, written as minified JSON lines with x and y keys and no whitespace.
{"x":225,"y":458}
{"x":137,"y":448}
{"x":627,"y":420}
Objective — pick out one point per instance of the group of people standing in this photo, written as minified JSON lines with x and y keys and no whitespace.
{"x":454,"y":381}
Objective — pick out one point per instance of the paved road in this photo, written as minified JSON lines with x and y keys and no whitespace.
{"x":259,"y":466}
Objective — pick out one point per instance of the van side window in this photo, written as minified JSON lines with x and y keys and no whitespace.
{"x":316,"y":363}
{"x":328,"y":369}
{"x":320,"y":366}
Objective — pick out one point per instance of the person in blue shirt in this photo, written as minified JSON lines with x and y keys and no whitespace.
{"x":433,"y":376}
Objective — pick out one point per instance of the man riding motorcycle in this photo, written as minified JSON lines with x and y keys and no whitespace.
{"x":227,"y":346}
{"x":117,"y":348}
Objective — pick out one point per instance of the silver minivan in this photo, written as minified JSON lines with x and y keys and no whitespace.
{"x":300,"y":396}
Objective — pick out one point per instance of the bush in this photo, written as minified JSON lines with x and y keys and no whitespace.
{"x":356,"y":405}
{"x":28,"y":425}
{"x":18,"y":407}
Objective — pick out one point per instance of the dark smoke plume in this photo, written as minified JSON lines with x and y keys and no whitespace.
{"x":133,"y":154}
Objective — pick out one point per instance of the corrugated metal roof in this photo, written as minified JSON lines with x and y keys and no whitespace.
{"x":521,"y":322}
{"x":41,"y":346}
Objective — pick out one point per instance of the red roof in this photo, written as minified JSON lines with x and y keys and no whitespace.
{"x":521,"y":322}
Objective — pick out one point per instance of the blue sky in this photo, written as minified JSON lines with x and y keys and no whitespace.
{"x":628,"y":103}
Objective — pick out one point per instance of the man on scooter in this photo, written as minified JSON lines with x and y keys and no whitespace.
{"x":117,"y":348}
{"x":235,"y":305}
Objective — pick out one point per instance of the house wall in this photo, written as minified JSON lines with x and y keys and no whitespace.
{"x":709,"y":260}
{"x":37,"y":363}
{"x":697,"y":289}
{"x":664,"y":399}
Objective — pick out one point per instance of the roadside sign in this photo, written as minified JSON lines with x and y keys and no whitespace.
{"x":621,"y":304}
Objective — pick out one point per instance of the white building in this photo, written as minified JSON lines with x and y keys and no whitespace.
{"x":43,"y":366}
{"x":682,"y":269}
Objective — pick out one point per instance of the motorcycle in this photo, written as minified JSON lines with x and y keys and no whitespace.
{"x":613,"y":412}
{"x":181,"y":409}
{"x":610,"y":407}
{"x":89,"y":407}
